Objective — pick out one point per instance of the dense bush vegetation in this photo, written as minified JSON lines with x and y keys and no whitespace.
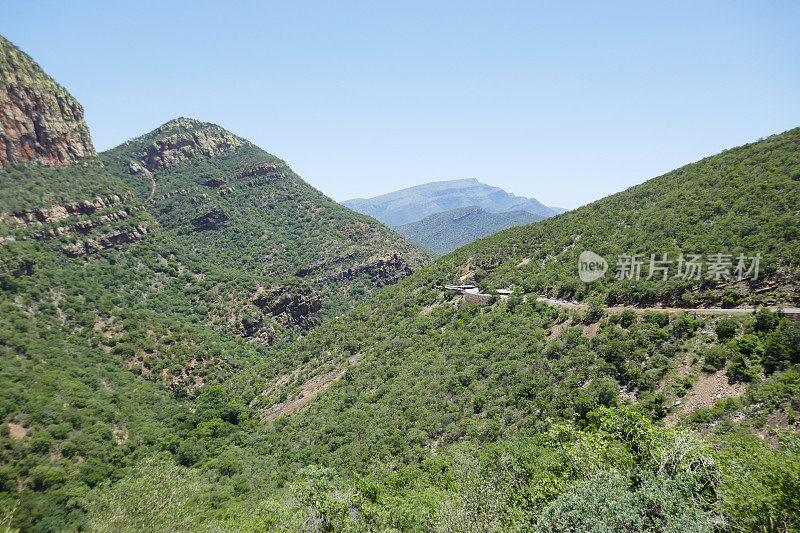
{"x":134,"y":394}
{"x":740,"y":201}
{"x":280,"y":232}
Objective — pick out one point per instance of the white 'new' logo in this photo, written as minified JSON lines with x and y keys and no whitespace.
{"x":591,"y":266}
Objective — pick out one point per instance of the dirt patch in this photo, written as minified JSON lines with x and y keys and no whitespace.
{"x":120,"y":435}
{"x":685,"y":368}
{"x":775,"y":420}
{"x":310,"y":389}
{"x":469,"y":269}
{"x":706,"y":391}
{"x":557,"y":330}
{"x":428,"y":308}
{"x":524,"y":262}
{"x":16,"y":431}
{"x":591,"y":330}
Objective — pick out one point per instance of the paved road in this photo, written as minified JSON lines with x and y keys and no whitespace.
{"x":710,"y":310}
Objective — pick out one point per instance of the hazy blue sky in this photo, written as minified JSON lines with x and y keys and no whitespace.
{"x":562,"y":101}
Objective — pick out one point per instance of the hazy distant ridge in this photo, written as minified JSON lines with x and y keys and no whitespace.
{"x":415,"y":203}
{"x":442,"y":233}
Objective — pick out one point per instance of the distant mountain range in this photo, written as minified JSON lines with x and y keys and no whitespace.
{"x":415,"y":203}
{"x":442,"y":233}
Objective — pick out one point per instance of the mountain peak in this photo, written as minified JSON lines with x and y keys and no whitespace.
{"x":180,"y":140}
{"x":414,"y":203}
{"x":186,"y":123}
{"x":40,"y":122}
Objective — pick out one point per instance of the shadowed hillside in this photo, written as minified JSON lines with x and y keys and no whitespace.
{"x":444,"y":232}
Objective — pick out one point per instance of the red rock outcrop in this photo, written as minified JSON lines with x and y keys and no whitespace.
{"x":40,"y":122}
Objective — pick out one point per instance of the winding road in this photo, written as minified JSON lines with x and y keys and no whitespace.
{"x":793,"y":312}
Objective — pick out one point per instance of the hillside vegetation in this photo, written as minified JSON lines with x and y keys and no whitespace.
{"x":520,"y":415}
{"x":742,"y":201}
{"x":120,"y":309}
{"x":193,"y":339}
{"x":242,"y":209}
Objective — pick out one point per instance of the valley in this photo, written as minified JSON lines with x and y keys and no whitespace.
{"x":193,"y":338}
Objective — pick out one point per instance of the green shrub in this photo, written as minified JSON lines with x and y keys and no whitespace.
{"x":607,"y":503}
{"x":714,"y":358}
{"x":726,"y":329}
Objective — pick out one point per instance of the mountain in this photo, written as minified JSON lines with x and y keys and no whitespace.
{"x":242,"y":209}
{"x":429,"y":410}
{"x":413,"y":204}
{"x":420,"y":410}
{"x":163,"y":366}
{"x":39,"y":120}
{"x":133,"y":283}
{"x":442,"y":233}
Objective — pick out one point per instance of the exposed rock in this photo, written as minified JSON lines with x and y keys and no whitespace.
{"x":84,"y":226}
{"x":383,"y":271}
{"x":170,"y":194}
{"x":264,"y":169}
{"x":105,"y":241}
{"x":290,"y":307}
{"x":185,"y":138}
{"x":60,"y":212}
{"x":306,"y":271}
{"x":215,"y":182}
{"x":40,"y":122}
{"x":211,"y":220}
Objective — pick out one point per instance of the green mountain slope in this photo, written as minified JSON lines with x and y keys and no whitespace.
{"x":431,"y":400}
{"x":120,"y":320}
{"x":758,"y":183}
{"x":442,"y":233}
{"x":152,"y":378}
{"x":414,"y":203}
{"x":742,"y":201}
{"x":244,"y":210}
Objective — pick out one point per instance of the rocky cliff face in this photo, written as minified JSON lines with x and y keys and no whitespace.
{"x":290,"y":307}
{"x":39,"y":121}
